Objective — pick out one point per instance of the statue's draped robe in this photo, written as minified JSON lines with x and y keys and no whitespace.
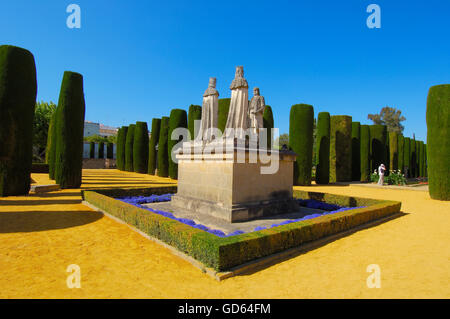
{"x":257,"y":105}
{"x":210,"y":110}
{"x":237,"y":115}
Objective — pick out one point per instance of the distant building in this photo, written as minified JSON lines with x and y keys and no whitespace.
{"x":91,"y":128}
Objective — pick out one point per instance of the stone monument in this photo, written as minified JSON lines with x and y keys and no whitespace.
{"x":228,"y":179}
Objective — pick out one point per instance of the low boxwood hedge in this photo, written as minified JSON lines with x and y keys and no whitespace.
{"x":224,"y":253}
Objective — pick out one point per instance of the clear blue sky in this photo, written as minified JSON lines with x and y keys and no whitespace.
{"x":140,"y":59}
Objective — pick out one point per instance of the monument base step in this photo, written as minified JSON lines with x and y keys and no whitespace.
{"x":44,"y":188}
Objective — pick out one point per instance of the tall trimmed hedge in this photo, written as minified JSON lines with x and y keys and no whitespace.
{"x":426,"y":160}
{"x":154,"y":138}
{"x":101,"y":150}
{"x":110,"y":150}
{"x":140,"y":148}
{"x":92,"y":150}
{"x":194,"y":114}
{"x":341,"y":148}
{"x":356,"y":152}
{"x":224,"y":108}
{"x":163,"y":153}
{"x":18,"y":88}
{"x":301,"y":124}
{"x":177,"y":119}
{"x":407,"y":156}
{"x":421,"y":160}
{"x":70,"y":131}
{"x":401,"y":147}
{"x":393,"y":151}
{"x":378,"y":142}
{"x":418,"y":158}
{"x":51,"y":146}
{"x":268,"y":124}
{"x":129,"y":141}
{"x":412,"y":159}
{"x":323,"y":148}
{"x":120,"y":148}
{"x":365,"y":153}
{"x":438,"y":141}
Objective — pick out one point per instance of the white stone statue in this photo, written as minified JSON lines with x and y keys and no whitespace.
{"x":237,"y":116}
{"x":210,"y":110}
{"x":256,"y":111}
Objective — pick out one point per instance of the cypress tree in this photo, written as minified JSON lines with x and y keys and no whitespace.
{"x":426,"y":160}
{"x":51,"y":145}
{"x":401,"y":145}
{"x":393,"y":151}
{"x":406,"y":157}
{"x":438,"y":141}
{"x":341,"y":148}
{"x":163,"y":153}
{"x":365,"y":153}
{"x":120,"y":152}
{"x":417,"y":158}
{"x":412,"y":159}
{"x":378,"y":141}
{"x":323,"y":148}
{"x":195,"y":114}
{"x":101,"y":150}
{"x":268,"y":124}
{"x":422,"y":161}
{"x":154,"y":138}
{"x":224,"y":108}
{"x":129,"y":141}
{"x":178,"y":118}
{"x":18,"y":89}
{"x":69,"y":130}
{"x":140,"y":148}
{"x":301,"y":121}
{"x":110,"y":150}
{"x":92,"y":150}
{"x":356,"y":152}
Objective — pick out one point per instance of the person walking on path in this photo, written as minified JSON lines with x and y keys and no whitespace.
{"x":381,"y":170}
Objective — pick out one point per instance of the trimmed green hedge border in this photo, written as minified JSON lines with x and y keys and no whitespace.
{"x":224,"y":253}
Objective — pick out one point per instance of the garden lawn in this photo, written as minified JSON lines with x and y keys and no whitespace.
{"x":41,"y":235}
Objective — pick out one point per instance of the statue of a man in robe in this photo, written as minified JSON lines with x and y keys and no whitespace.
{"x":256,"y":111}
{"x":237,"y":115}
{"x":210,"y":110}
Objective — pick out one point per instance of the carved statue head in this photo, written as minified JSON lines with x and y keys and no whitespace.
{"x":239,"y":72}
{"x":212,"y":82}
{"x":256,"y":91}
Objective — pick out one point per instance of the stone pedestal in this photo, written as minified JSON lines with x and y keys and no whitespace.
{"x":234,"y":185}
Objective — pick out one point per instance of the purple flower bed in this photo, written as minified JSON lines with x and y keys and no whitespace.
{"x":310,"y":203}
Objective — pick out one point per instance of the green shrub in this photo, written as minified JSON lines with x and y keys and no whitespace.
{"x":140,"y":148}
{"x":412,"y":159}
{"x":129,"y":141}
{"x":393,"y":151}
{"x":163,"y":153}
{"x":401,"y":150}
{"x":422,"y":161}
{"x":356,"y":151}
{"x":51,"y":146}
{"x":92,"y":150}
{"x":268,"y":124}
{"x":418,"y":158}
{"x":110,"y":150}
{"x":438,"y":141}
{"x":69,"y":131}
{"x":101,"y":150}
{"x":378,"y":142}
{"x":426,"y":160}
{"x":154,"y":138}
{"x":341,"y":148}
{"x":178,"y":118}
{"x":407,"y":156}
{"x":365,"y":153}
{"x":18,"y":89}
{"x":224,"y":108}
{"x":323,"y":148}
{"x":120,"y":151}
{"x":195,"y":114}
{"x":301,"y":122}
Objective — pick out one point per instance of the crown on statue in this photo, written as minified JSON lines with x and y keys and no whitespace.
{"x":212,"y":82}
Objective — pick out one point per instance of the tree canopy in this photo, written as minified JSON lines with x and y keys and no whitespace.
{"x":391,"y":117}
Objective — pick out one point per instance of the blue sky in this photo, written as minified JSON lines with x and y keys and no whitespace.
{"x":140,"y":59}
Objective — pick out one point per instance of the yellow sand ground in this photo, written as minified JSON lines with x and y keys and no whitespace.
{"x":41,"y":235}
